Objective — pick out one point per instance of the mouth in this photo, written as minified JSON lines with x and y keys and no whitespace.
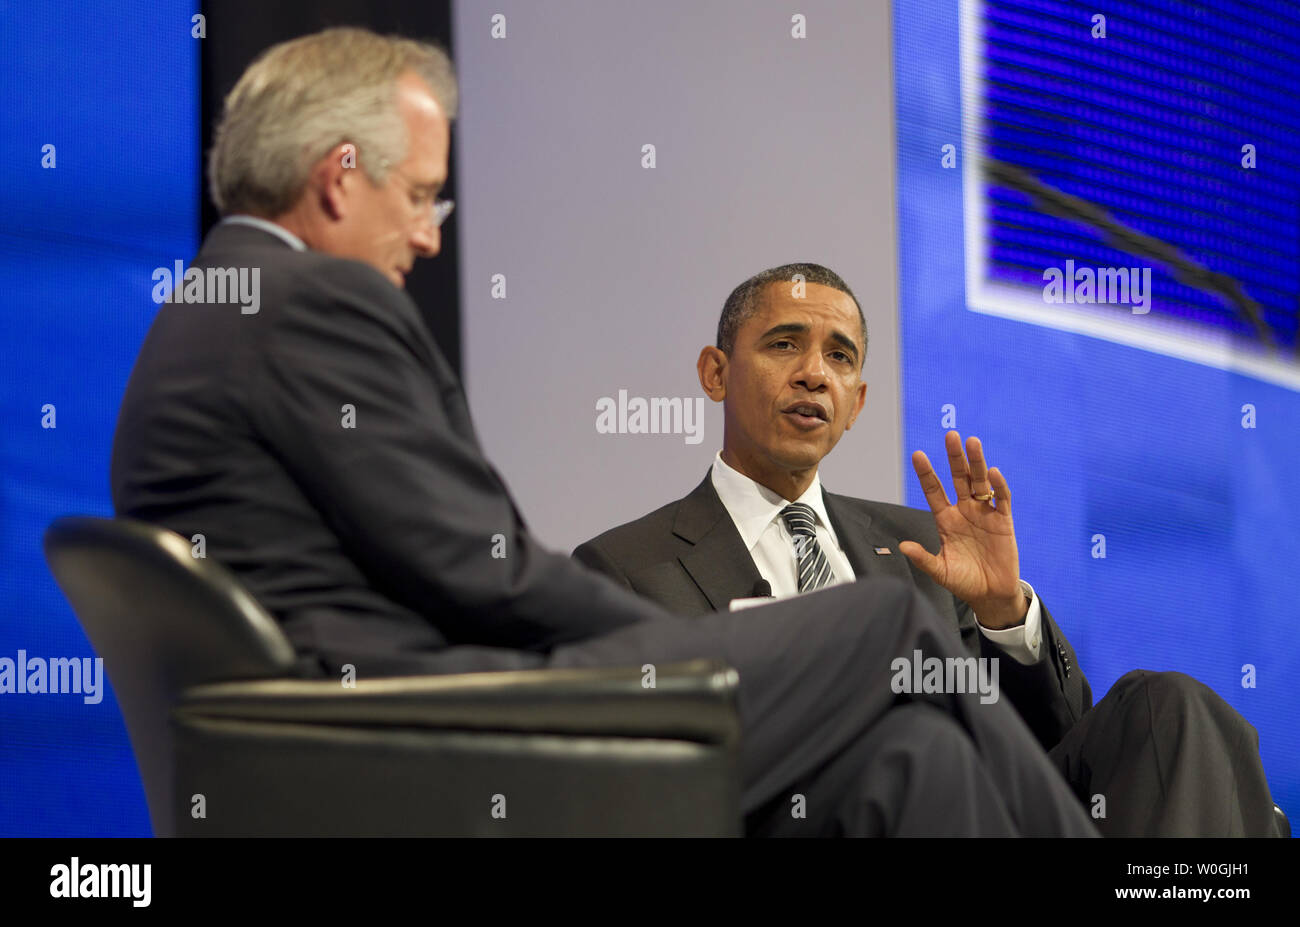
{"x":807,"y":414}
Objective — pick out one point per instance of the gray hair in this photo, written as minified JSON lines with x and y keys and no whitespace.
{"x":301,"y":98}
{"x":744,"y":299}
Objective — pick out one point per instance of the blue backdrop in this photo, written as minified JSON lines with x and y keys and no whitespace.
{"x":114,"y":88}
{"x":1202,"y":546}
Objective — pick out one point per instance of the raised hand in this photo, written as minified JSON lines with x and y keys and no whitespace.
{"x":977,"y":560}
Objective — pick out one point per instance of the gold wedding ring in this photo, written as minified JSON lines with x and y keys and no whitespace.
{"x":983,"y":497}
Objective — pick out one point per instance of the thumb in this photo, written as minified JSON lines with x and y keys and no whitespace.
{"x":925,"y":561}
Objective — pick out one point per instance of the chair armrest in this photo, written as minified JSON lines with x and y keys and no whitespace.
{"x":692,"y":701}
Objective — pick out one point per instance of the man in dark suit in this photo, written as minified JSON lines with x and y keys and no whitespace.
{"x":314,"y":440}
{"x":1161,"y":754}
{"x":688,"y":557}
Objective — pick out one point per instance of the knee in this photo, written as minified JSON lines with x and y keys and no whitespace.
{"x":1171,"y":697}
{"x":932,"y":734}
{"x":889,"y":604}
{"x":887,"y":591}
{"x":894,"y":599}
{"x":1167,"y":687}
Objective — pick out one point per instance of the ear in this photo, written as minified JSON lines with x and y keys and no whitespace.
{"x":331,"y":177}
{"x":857,"y":405}
{"x":712,"y":368}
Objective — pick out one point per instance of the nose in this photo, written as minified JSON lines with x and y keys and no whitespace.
{"x":811,"y":372}
{"x":427,"y":240}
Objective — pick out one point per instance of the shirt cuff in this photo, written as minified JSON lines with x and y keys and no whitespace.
{"x":1023,"y":643}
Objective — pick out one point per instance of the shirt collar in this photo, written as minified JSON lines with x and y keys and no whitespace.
{"x":279,"y":231}
{"x":752,"y":506}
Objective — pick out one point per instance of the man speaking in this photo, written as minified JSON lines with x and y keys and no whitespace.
{"x":323,"y":448}
{"x":1168,"y":755}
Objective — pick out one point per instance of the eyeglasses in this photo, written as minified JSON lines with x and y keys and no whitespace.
{"x":438,"y":209}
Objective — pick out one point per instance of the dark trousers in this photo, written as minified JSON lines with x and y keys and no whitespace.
{"x":1163,"y":755}
{"x":827,"y":747}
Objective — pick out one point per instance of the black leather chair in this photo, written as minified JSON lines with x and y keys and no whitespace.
{"x":229,"y":743}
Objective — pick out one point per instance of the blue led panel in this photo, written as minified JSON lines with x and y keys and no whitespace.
{"x":1149,"y":123}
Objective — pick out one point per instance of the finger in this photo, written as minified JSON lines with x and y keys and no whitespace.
{"x":1001,"y":491}
{"x":957,"y":464}
{"x":979,"y":468}
{"x":930,"y":483}
{"x":925,"y":561}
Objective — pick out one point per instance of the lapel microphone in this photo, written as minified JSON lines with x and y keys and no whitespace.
{"x":762,"y":590}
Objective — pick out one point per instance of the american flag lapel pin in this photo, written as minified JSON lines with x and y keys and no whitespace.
{"x":884,"y":551}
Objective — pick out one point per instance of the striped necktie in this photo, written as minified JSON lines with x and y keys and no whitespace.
{"x":814,"y":570}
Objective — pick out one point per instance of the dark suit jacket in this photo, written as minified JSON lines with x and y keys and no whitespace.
{"x":374,"y":545}
{"x":689,"y":557}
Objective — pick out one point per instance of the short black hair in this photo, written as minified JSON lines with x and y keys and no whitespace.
{"x":744,"y":299}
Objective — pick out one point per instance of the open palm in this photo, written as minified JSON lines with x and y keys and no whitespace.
{"x":977,"y":560}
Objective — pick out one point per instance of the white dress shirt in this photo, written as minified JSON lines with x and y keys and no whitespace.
{"x":279,"y":231}
{"x":756,"y":512}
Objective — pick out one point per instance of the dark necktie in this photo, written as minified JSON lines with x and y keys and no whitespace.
{"x":814,"y":570}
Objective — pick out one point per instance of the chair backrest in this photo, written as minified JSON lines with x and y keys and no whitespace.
{"x":162,"y":620}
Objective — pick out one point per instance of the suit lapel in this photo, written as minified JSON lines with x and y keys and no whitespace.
{"x":718,"y":562}
{"x":723,"y":569}
{"x":859,"y":536}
